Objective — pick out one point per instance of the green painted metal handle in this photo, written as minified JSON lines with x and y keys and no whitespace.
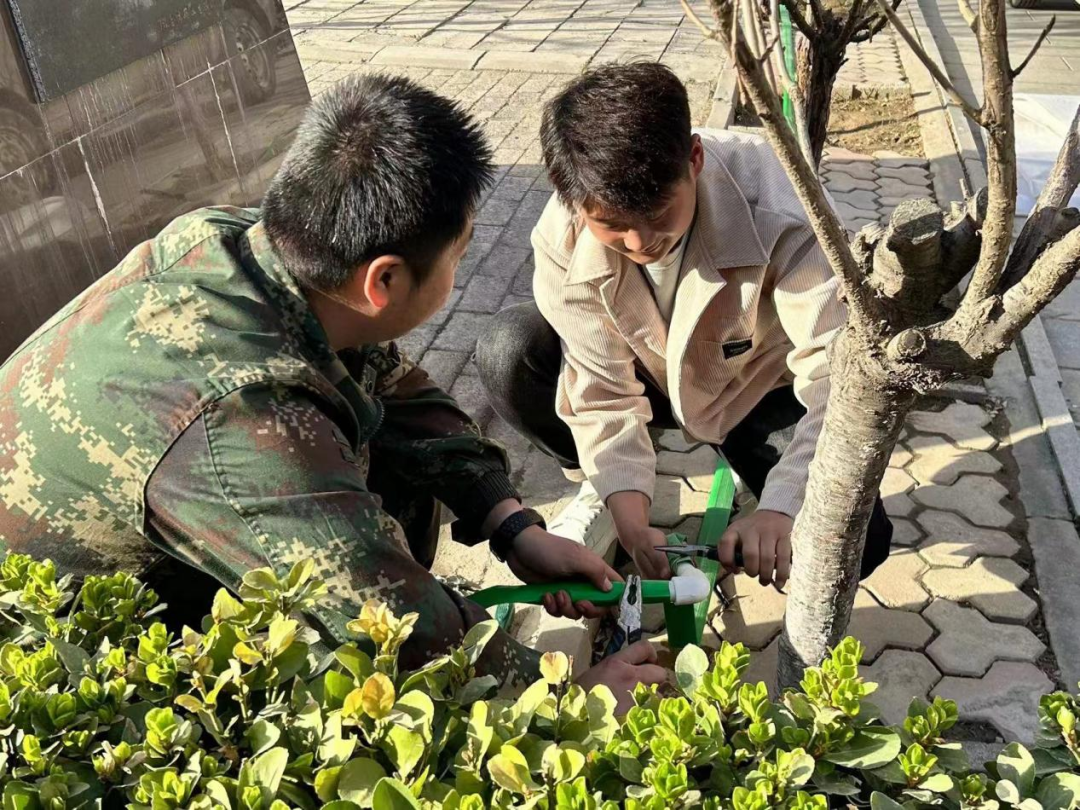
{"x":652,"y":590}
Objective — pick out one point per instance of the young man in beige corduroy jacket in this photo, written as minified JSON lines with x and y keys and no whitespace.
{"x":677,"y":283}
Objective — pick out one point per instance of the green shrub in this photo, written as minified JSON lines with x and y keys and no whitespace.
{"x":100,"y":704}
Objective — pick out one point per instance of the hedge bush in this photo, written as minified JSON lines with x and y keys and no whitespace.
{"x":99,"y":704}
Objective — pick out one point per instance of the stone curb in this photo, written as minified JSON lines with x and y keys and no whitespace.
{"x":723,"y":107}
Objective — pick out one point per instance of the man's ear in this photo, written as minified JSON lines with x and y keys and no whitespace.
{"x":384,"y":277}
{"x":697,"y":155}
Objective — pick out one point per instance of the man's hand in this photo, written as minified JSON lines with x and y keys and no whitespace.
{"x":641,"y":546}
{"x":630,"y":511}
{"x":765,"y":540}
{"x":623,"y":671}
{"x":539,"y":556}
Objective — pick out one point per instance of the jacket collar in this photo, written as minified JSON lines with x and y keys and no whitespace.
{"x":723,"y":235}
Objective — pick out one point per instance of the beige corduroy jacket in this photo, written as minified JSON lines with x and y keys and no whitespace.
{"x":754,"y":311}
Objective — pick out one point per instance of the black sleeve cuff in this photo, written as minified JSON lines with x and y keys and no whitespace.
{"x":489,"y":490}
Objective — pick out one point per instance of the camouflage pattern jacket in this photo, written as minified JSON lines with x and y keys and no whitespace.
{"x":201,"y":340}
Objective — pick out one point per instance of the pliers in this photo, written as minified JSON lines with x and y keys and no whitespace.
{"x":709,"y":552}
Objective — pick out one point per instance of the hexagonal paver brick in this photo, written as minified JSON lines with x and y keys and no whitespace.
{"x":939,"y":461}
{"x":992,"y":584}
{"x":908,"y":174}
{"x":1006,"y":697}
{"x":697,"y":466}
{"x":952,"y":542}
{"x":900,"y":675}
{"x":905,"y":533}
{"x":894,"y":187}
{"x":896,"y":581}
{"x":960,"y":421}
{"x":839,"y":182}
{"x":877,"y":627}
{"x":968,"y":643}
{"x":895,"y":486}
{"x":673,"y":500}
{"x":900,"y":457}
{"x":858,"y":169}
{"x":859,"y":198}
{"x":755,"y":617}
{"x":675,"y":441}
{"x":976,"y":497}
{"x":885,"y":157}
{"x":848,"y":212}
{"x":857,"y":224}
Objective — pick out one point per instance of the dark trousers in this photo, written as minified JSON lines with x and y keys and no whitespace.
{"x":519,"y":357}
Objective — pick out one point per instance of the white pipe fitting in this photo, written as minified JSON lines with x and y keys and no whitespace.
{"x":689,"y":585}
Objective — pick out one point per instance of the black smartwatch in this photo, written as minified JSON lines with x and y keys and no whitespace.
{"x":503,"y":538}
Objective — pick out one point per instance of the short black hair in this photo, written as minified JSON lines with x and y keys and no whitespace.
{"x":618,"y":137}
{"x":380,"y":165}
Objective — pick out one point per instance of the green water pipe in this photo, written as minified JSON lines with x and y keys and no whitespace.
{"x":652,"y":591}
{"x":787,"y":46}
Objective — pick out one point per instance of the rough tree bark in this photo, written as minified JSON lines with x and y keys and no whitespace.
{"x":828,"y":27}
{"x":901,"y":339}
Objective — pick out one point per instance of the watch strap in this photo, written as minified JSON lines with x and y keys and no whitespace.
{"x":503,"y":538}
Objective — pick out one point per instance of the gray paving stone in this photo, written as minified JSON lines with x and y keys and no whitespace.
{"x":952,"y":542}
{"x":537,"y":62}
{"x":444,"y":366}
{"x":504,"y":260}
{"x":857,"y":224}
{"x":968,"y":643}
{"x":889,"y":159}
{"x":497,"y":211}
{"x":878,"y":627}
{"x":905,"y":532}
{"x":756,"y":615}
{"x":992,"y":584}
{"x":1070,"y":388}
{"x":859,"y":199}
{"x":484,"y":294}
{"x":1057,"y":559}
{"x":837,"y":154}
{"x":901,"y":456}
{"x":675,"y":441}
{"x":900,"y":675}
{"x":1065,"y":338}
{"x":910,"y":175}
{"x":976,"y":497}
{"x":673,"y":500}
{"x":460,"y":332}
{"x":939,"y":461}
{"x":839,"y":182}
{"x":1007,"y":697}
{"x":419,"y":56}
{"x":848,"y":212}
{"x":896,"y":581}
{"x":891,"y":187}
{"x":696,"y":466}
{"x":895,"y":486}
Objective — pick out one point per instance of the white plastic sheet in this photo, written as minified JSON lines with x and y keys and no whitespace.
{"x":1042,"y":121}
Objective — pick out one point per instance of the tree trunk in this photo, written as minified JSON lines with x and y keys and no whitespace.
{"x":819,"y":65}
{"x":863,"y":420}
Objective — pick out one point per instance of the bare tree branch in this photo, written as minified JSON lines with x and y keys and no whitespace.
{"x":854,"y":19}
{"x":968,"y":13}
{"x":1041,"y":222}
{"x":1049,"y":275}
{"x":874,"y":25}
{"x":997,"y":120}
{"x":939,"y":75}
{"x":799,"y":19}
{"x":831,"y":233}
{"x":791,"y":85}
{"x":817,"y":12}
{"x":1034,"y":48}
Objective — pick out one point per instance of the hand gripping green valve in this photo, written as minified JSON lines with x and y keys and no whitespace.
{"x":685,"y":613}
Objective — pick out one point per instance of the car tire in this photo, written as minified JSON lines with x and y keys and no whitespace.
{"x":22,"y":141}
{"x":255,"y":67}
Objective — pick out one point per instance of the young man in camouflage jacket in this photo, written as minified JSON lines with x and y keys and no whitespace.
{"x":230,"y":397}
